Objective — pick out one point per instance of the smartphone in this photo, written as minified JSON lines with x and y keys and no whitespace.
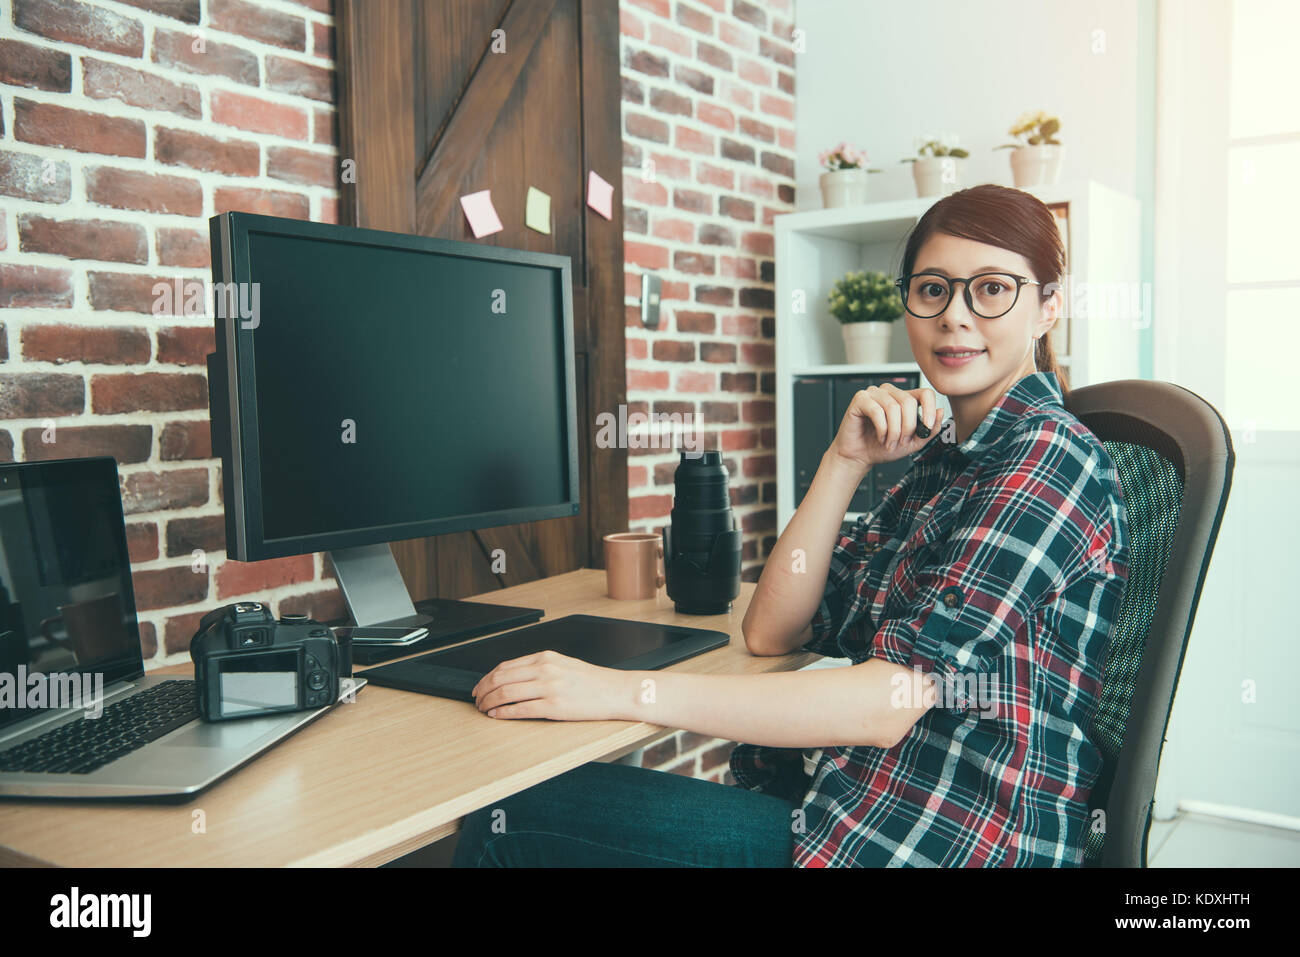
{"x":382,"y":635}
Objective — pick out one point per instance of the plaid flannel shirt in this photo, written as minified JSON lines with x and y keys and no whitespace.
{"x":997,"y":565}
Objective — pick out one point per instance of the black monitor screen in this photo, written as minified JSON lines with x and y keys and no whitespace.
{"x":397,"y":385}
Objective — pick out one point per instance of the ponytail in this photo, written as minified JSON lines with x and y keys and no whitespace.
{"x":1045,"y":361}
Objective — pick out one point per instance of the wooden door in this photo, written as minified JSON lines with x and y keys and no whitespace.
{"x":440,"y":98}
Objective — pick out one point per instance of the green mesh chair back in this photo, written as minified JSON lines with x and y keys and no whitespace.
{"x":1174,"y":456}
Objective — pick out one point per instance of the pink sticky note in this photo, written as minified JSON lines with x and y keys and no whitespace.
{"x":600,"y":195}
{"x":480,"y":212}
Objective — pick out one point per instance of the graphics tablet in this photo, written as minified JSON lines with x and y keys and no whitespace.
{"x":609,"y":642}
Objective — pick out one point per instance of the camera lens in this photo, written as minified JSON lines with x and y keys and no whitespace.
{"x":702,"y":562}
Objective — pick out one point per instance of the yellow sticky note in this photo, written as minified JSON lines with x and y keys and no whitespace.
{"x":538,"y":211}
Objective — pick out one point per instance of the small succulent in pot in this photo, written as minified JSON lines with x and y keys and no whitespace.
{"x":931,"y":145}
{"x":865,"y":297}
{"x":1037,"y":156}
{"x":866,"y":304}
{"x":845,"y":182}
{"x":1035,"y":128}
{"x":844,"y":156}
{"x":936,"y":168}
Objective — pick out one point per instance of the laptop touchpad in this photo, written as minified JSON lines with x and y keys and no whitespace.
{"x":222,"y":734}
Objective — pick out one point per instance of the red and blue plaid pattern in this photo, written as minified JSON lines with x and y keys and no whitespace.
{"x":998,"y":565}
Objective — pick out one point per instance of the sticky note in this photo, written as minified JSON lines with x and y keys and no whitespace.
{"x":480,"y":212}
{"x":600,"y":195}
{"x":537,"y":214}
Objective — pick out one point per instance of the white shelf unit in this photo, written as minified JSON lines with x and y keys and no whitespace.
{"x":1096,"y":338}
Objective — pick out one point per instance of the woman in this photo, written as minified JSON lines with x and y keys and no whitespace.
{"x":975,"y":602}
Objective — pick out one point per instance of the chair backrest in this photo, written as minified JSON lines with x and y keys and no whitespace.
{"x":1175,"y":460}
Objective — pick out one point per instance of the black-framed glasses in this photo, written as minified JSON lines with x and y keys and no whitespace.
{"x":987,"y":294}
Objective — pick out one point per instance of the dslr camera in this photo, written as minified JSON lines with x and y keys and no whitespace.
{"x":247,"y":663}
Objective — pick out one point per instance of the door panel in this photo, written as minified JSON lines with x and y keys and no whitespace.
{"x":429,"y":112}
{"x":448,"y":49}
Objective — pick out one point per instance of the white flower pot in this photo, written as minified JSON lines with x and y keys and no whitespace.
{"x":1036,"y":165}
{"x":844,"y":187}
{"x":937,"y":175}
{"x":866,"y":343}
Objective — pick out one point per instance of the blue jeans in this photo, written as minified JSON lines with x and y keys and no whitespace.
{"x":618,"y":815}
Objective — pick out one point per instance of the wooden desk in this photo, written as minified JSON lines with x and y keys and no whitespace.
{"x":373,"y":780}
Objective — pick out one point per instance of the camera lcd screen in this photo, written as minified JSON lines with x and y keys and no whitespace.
{"x":253,"y":683}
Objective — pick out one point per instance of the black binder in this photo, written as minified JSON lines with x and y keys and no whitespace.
{"x":814,"y":428}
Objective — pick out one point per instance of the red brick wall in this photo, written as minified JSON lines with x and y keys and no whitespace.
{"x":120,"y":136}
{"x":124,"y":127}
{"x":708,"y":156}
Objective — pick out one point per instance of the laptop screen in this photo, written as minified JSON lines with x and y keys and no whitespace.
{"x":66,"y":602}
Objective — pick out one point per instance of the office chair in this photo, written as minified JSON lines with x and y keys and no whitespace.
{"x":1175,"y":460}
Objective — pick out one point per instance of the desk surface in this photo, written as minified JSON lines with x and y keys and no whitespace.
{"x":373,"y":780}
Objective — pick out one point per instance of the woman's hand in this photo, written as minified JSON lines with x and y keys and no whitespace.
{"x":551,"y":685}
{"x":880,"y":424}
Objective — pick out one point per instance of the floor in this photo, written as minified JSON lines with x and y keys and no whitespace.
{"x":1195,"y":840}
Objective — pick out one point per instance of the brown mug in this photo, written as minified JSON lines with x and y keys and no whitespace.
{"x":634,"y":564}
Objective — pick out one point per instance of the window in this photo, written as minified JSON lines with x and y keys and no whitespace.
{"x":1263,"y":210}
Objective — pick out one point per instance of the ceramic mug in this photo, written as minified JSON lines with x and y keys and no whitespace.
{"x":634,"y":564}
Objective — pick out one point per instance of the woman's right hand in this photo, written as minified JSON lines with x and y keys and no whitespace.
{"x":880,"y":424}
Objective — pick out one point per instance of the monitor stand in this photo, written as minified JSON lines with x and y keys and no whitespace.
{"x":377,"y":597}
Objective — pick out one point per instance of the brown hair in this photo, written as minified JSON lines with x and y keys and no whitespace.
{"x":1011,"y":219}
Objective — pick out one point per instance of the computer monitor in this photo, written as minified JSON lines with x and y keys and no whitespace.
{"x":369,"y":387}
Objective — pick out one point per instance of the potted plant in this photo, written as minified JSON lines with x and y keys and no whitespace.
{"x":845,"y":181}
{"x":937,"y":164}
{"x":865,"y":303}
{"x":1036,"y":158}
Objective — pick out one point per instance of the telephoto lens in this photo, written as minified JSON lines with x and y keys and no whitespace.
{"x":702,"y":543}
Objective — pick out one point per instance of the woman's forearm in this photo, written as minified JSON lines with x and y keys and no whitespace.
{"x":793,"y":580}
{"x":874,"y":703}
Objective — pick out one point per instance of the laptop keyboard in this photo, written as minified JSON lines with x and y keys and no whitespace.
{"x":88,"y":744}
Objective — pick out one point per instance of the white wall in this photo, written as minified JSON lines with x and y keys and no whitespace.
{"x":880,"y":73}
{"x":1226,"y":277}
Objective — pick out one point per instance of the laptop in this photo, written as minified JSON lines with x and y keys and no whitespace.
{"x":79,"y":718}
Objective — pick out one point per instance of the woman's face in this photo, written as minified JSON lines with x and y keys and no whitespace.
{"x":1005,"y":344}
